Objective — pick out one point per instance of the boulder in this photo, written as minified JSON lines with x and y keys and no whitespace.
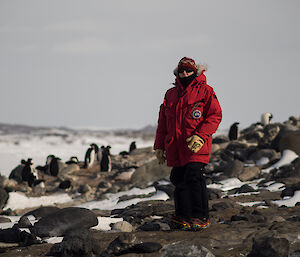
{"x":284,"y":131}
{"x":220,"y":139}
{"x":65,"y":170}
{"x":150,"y":172}
{"x":122,"y":226}
{"x":270,"y":246}
{"x":58,"y":223}
{"x":270,"y":133}
{"x":4,"y":219}
{"x":249,"y":173}
{"x":24,"y":222}
{"x":125,"y":176}
{"x":185,"y":249}
{"x":79,"y":242}
{"x":3,"y":197}
{"x":290,"y":141}
{"x":42,"y":211}
{"x":243,"y":189}
{"x":15,"y":235}
{"x":271,"y":154}
{"x":120,"y":245}
{"x":234,"y":168}
{"x":16,"y":173}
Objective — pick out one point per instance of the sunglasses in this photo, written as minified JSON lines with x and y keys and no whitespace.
{"x":186,"y":70}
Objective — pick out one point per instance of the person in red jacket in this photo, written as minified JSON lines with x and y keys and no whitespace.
{"x":189,"y":115}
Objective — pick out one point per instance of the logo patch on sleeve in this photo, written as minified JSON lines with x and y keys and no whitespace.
{"x":196,"y":114}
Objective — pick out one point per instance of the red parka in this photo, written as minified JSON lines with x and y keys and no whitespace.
{"x":186,"y":112}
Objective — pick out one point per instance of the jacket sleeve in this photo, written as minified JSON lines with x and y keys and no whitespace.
{"x":212,"y":114}
{"x":161,"y":130}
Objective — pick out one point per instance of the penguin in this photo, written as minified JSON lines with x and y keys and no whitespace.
{"x":132,"y":146}
{"x":233,"y":131}
{"x":105,"y":163}
{"x":99,"y":155}
{"x":266,"y":118}
{"x":16,"y":173}
{"x":29,"y":174}
{"x":52,"y":165}
{"x":45,"y":168}
{"x":96,"y":147}
{"x":73,"y":160}
{"x":89,"y":156}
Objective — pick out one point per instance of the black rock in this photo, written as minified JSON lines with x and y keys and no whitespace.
{"x":10,"y":235}
{"x":168,"y":189}
{"x":221,"y":206}
{"x":28,"y":239}
{"x":149,"y":226}
{"x":120,"y":245}
{"x":42,"y":211}
{"x":238,"y":218}
{"x":58,"y":223}
{"x":234,"y":168}
{"x":220,"y":139}
{"x":270,"y":246}
{"x":244,"y":189}
{"x":24,"y":222}
{"x":3,"y":197}
{"x":287,"y":192}
{"x":65,"y":184}
{"x":78,"y":242}
{"x":147,"y":247}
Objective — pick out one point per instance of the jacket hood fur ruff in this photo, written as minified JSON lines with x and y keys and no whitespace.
{"x":200,"y":69}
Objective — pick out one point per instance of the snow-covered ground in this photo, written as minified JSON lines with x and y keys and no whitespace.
{"x":19,"y":201}
{"x":62,"y":144}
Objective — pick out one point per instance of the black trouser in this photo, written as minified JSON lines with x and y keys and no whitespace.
{"x":190,"y":195}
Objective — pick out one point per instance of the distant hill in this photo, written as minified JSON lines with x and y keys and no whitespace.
{"x":11,"y":129}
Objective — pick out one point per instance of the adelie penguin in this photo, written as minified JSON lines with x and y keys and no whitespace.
{"x":234,"y":131}
{"x":73,"y":160}
{"x":266,"y":118}
{"x":53,"y":165}
{"x":132,"y":146}
{"x":99,"y":154}
{"x":29,"y":174}
{"x":96,"y":147}
{"x":90,"y":156}
{"x":16,"y":173}
{"x":105,"y":163}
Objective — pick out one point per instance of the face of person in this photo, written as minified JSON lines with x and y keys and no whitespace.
{"x":185,"y":73}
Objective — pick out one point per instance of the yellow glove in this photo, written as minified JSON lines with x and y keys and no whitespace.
{"x":195,"y":143}
{"x":160,"y":155}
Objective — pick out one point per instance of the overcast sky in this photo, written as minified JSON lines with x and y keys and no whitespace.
{"x":107,"y":64}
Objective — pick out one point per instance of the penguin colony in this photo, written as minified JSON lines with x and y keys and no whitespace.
{"x":26,"y":172}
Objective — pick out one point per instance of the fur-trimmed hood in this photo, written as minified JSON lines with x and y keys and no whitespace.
{"x":200,"y":69}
